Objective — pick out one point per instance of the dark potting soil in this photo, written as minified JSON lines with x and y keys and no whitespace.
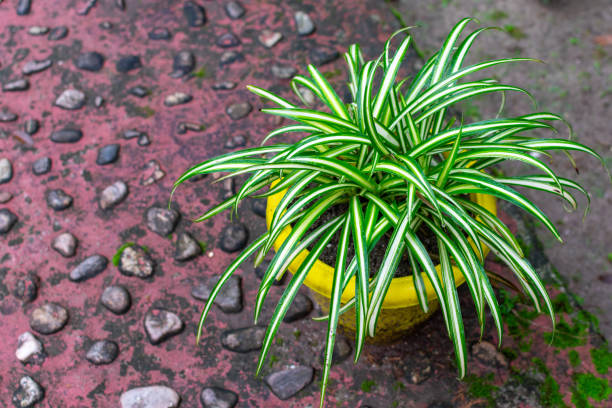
{"x":328,"y":255}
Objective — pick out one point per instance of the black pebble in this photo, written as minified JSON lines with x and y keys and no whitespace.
{"x":108,"y":154}
{"x":139,"y":91}
{"x":160,"y":33}
{"x":323,"y":55}
{"x":194,"y":14}
{"x":23,"y":7}
{"x":258,"y":206}
{"x":31,"y":126}
{"x":90,"y":61}
{"x":233,"y":237}
{"x":66,"y":135}
{"x":128,"y":63}
{"x":58,"y":33}
{"x":228,"y":40}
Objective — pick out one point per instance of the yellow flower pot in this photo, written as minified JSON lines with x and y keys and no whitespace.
{"x":400,"y":310}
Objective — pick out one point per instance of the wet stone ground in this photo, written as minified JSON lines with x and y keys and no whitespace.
{"x":103,"y":105}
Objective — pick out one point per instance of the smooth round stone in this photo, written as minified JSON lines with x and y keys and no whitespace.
{"x":26,"y":289}
{"x":283,"y":71}
{"x":228,"y":40}
{"x":323,"y":55}
{"x":113,"y":195}
{"x":215,"y":397}
{"x":5,"y":197}
{"x":108,"y":154}
{"x":269,"y":38}
{"x":183,"y":64}
{"x":223,"y":86}
{"x":31,"y":126}
{"x":58,"y":33}
{"x":116,"y":298}
{"x":233,"y":237}
{"x":234,"y":10}
{"x":162,"y":221}
{"x":48,"y":318}
{"x":16,"y":85}
{"x":7,"y":220}
{"x":41,"y":166}
{"x":229,"y":57}
{"x":288,"y":382}
{"x":135,"y":261}
{"x":66,"y":135}
{"x":98,"y":101}
{"x":7,"y":116}
{"x":307,"y":95}
{"x":299,"y":309}
{"x":155,"y":396}
{"x":194,"y":14}
{"x":33,"y":67}
{"x":488,"y":355}
{"x":186,"y":247}
{"x":235,"y":141}
{"x":161,"y":324}
{"x":261,"y":269}
{"x":129,"y":63}
{"x":23,"y":7}
{"x":6,"y":170}
{"x":28,"y":393}
{"x":102,"y":352}
{"x":160,"y":33}
{"x":303,"y":23}
{"x":177,"y":98}
{"x":139,"y":91}
{"x":238,"y":110}
{"x":342,"y":350}
{"x":38,"y":30}
{"x":71,"y":99}
{"x":58,"y":200}
{"x":229,"y":299}
{"x":90,"y":61}
{"x":258,"y":206}
{"x":29,"y":349}
{"x":243,"y":340}
{"x":89,"y":268}
{"x":65,"y":244}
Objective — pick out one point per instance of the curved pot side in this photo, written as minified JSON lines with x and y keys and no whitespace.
{"x":401,"y":310}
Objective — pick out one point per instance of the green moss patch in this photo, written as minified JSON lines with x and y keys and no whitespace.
{"x":122,"y":248}
{"x":602,"y":359}
{"x":587,"y":386}
{"x":574,"y":358}
{"x":482,"y":387}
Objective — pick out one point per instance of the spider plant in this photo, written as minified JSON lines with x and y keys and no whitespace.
{"x":399,"y":161}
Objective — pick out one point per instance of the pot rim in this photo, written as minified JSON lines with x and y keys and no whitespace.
{"x":401,"y":293}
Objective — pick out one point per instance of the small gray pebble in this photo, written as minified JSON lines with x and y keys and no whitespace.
{"x":41,"y":166}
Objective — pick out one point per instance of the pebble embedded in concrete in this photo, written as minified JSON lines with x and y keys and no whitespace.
{"x":161,"y":324}
{"x":154,"y":396}
{"x":116,"y":298}
{"x":135,"y":261}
